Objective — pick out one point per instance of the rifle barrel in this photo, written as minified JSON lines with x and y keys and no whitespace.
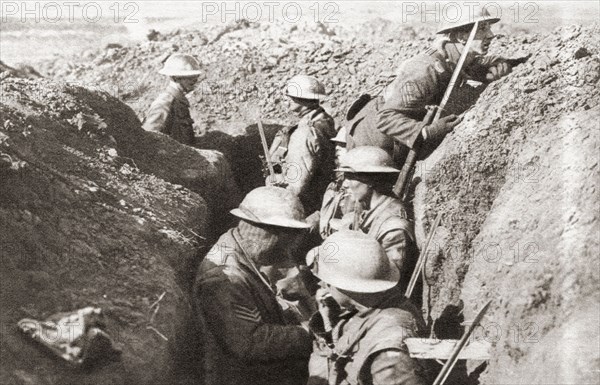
{"x":422,"y":257}
{"x":263,"y":139}
{"x":457,"y":71}
{"x":445,"y":372}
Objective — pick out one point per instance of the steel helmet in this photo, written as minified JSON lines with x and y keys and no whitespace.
{"x":305,"y":87}
{"x":353,"y":261}
{"x":367,"y":159}
{"x":467,"y":19}
{"x":182,"y":65}
{"x":273,"y":206}
{"x":340,"y":137}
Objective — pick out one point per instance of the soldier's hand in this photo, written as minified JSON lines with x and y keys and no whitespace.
{"x":440,"y":128}
{"x":497,"y":71}
{"x":328,"y":307}
{"x":276,"y":180}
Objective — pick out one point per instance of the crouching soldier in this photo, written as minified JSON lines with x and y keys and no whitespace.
{"x":394,"y":121}
{"x":370,"y":177}
{"x":305,"y":151}
{"x":364,"y":342}
{"x":169,"y":114}
{"x":247,"y":339}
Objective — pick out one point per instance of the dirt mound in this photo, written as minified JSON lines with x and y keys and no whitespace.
{"x":88,"y":216}
{"x":517,"y":183}
{"x":240,"y":143}
{"x":247,"y":66}
{"x":22,"y":71}
{"x":100,"y":116}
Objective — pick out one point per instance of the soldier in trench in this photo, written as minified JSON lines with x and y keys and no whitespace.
{"x":305,"y":152}
{"x":169,"y":114}
{"x":363,"y":317}
{"x":304,"y":157}
{"x":248,"y":339}
{"x":370,"y":176}
{"x":394,"y":120}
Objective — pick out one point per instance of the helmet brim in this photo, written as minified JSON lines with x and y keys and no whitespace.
{"x":357,"y":285}
{"x":307,"y":96}
{"x":370,"y":170}
{"x":190,"y":73}
{"x":272,"y":221}
{"x":485,"y":19}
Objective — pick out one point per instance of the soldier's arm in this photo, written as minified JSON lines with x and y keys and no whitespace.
{"x":395,"y":243}
{"x":158,"y":114}
{"x":328,"y":209}
{"x":395,"y":235}
{"x":393,"y":367}
{"x":479,"y":69}
{"x":236,"y":322}
{"x":303,"y":163}
{"x":300,"y":167}
{"x":409,"y":94}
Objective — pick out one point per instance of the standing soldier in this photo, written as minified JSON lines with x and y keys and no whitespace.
{"x":305,"y":151}
{"x":365,"y":343}
{"x":247,"y":339}
{"x":370,"y":177}
{"x":169,"y":114}
{"x":395,"y":119}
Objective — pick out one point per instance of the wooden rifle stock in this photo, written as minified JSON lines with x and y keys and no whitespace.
{"x":263,"y":140}
{"x":408,"y":169}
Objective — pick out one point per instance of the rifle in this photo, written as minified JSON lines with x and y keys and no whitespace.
{"x":265,"y":146}
{"x":422,"y":258}
{"x":407,"y":170}
{"x":517,"y":61}
{"x":443,"y":375}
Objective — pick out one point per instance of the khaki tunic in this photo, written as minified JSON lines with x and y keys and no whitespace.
{"x":398,"y":114}
{"x":169,"y":114}
{"x":246,"y":337}
{"x":309,"y":159}
{"x":422,"y":81}
{"x":367,"y":348}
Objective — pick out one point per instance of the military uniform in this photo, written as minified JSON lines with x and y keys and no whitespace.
{"x":421,"y":81}
{"x":247,"y":340}
{"x":367,"y":347}
{"x":398,"y":113}
{"x":337,"y":201}
{"x":169,"y":114}
{"x":308,"y":157}
{"x":387,"y":222}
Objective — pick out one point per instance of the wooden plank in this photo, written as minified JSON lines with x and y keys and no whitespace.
{"x":427,"y":348}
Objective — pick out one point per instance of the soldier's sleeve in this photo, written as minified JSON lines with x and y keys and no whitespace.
{"x":236,"y":322}
{"x":158,"y":114}
{"x":395,"y":236}
{"x":393,"y":367}
{"x":300,"y":166}
{"x":395,"y":244}
{"x":302,"y":162}
{"x":409,"y":94}
{"x":328,"y":208}
{"x":479,"y":69}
